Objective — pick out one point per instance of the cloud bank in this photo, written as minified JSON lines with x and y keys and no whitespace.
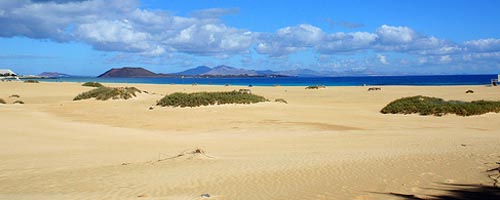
{"x":122,"y":26}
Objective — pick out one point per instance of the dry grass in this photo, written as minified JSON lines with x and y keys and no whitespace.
{"x":315,"y":87}
{"x":93,"y":84}
{"x":179,"y":99}
{"x":31,"y":81}
{"x":435,"y":106}
{"x":105,"y":93}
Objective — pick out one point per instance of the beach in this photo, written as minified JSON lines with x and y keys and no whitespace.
{"x":329,"y":143}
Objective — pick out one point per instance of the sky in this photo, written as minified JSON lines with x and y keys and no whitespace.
{"x":382,"y":37}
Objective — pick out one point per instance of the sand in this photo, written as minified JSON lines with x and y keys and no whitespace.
{"x":329,"y":143}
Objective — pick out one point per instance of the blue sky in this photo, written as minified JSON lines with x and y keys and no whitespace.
{"x":87,"y":37}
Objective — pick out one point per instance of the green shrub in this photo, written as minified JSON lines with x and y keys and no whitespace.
{"x":18,"y":102}
{"x":281,"y":101}
{"x":315,"y":87}
{"x":2,"y":101}
{"x":435,"y":106}
{"x":179,"y":99}
{"x":312,"y":87}
{"x":105,"y":93}
{"x":92,"y":84}
{"x":31,"y":81}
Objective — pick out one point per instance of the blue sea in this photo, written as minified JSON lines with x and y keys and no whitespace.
{"x":304,"y":81}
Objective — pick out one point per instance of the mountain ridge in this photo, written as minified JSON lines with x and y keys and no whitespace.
{"x":204,"y":71}
{"x":194,"y":71}
{"x":128,"y":72}
{"x":54,"y":75}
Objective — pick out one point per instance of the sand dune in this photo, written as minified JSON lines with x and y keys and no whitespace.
{"x":330,"y":143}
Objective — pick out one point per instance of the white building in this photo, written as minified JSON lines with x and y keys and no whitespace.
{"x":7,"y":72}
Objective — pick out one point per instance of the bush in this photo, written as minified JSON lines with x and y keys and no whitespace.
{"x":435,"y":106}
{"x":2,"y":101}
{"x":281,"y":101}
{"x":315,"y":87}
{"x":105,"y":93}
{"x":18,"y":102}
{"x":92,"y":84}
{"x":14,"y":96}
{"x":179,"y":99}
{"x":31,"y":81}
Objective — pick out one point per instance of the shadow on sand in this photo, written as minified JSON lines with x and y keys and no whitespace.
{"x":457,"y":192}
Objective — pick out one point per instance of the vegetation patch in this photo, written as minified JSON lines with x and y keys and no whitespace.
{"x":105,"y":93}
{"x":315,"y":87}
{"x":374,"y":89}
{"x":281,"y":101}
{"x":2,"y":101}
{"x":31,"y":81}
{"x":435,"y":106}
{"x":93,"y":84}
{"x":196,"y":99}
{"x":14,"y":96}
{"x":18,"y":102}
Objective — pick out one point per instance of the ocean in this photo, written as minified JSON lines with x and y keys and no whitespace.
{"x":303,"y":81}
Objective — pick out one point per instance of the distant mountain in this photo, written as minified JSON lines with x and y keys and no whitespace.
{"x":54,"y":75}
{"x":204,"y":71}
{"x":228,"y":71}
{"x":195,"y":71}
{"x":224,"y":70}
{"x":128,"y":72}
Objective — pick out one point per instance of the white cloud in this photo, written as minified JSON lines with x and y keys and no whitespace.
{"x":386,"y":38}
{"x":51,"y":19}
{"x":275,"y":48}
{"x":396,"y":34}
{"x":303,"y":35}
{"x":289,"y":40}
{"x":123,"y":27}
{"x":210,"y":39}
{"x":483,"y":45}
{"x":114,"y":35}
{"x":343,"y":42}
{"x":445,"y":59}
{"x":483,"y":55}
{"x":382,"y":59}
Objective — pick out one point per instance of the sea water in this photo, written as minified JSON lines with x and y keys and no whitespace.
{"x":302,"y":81}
